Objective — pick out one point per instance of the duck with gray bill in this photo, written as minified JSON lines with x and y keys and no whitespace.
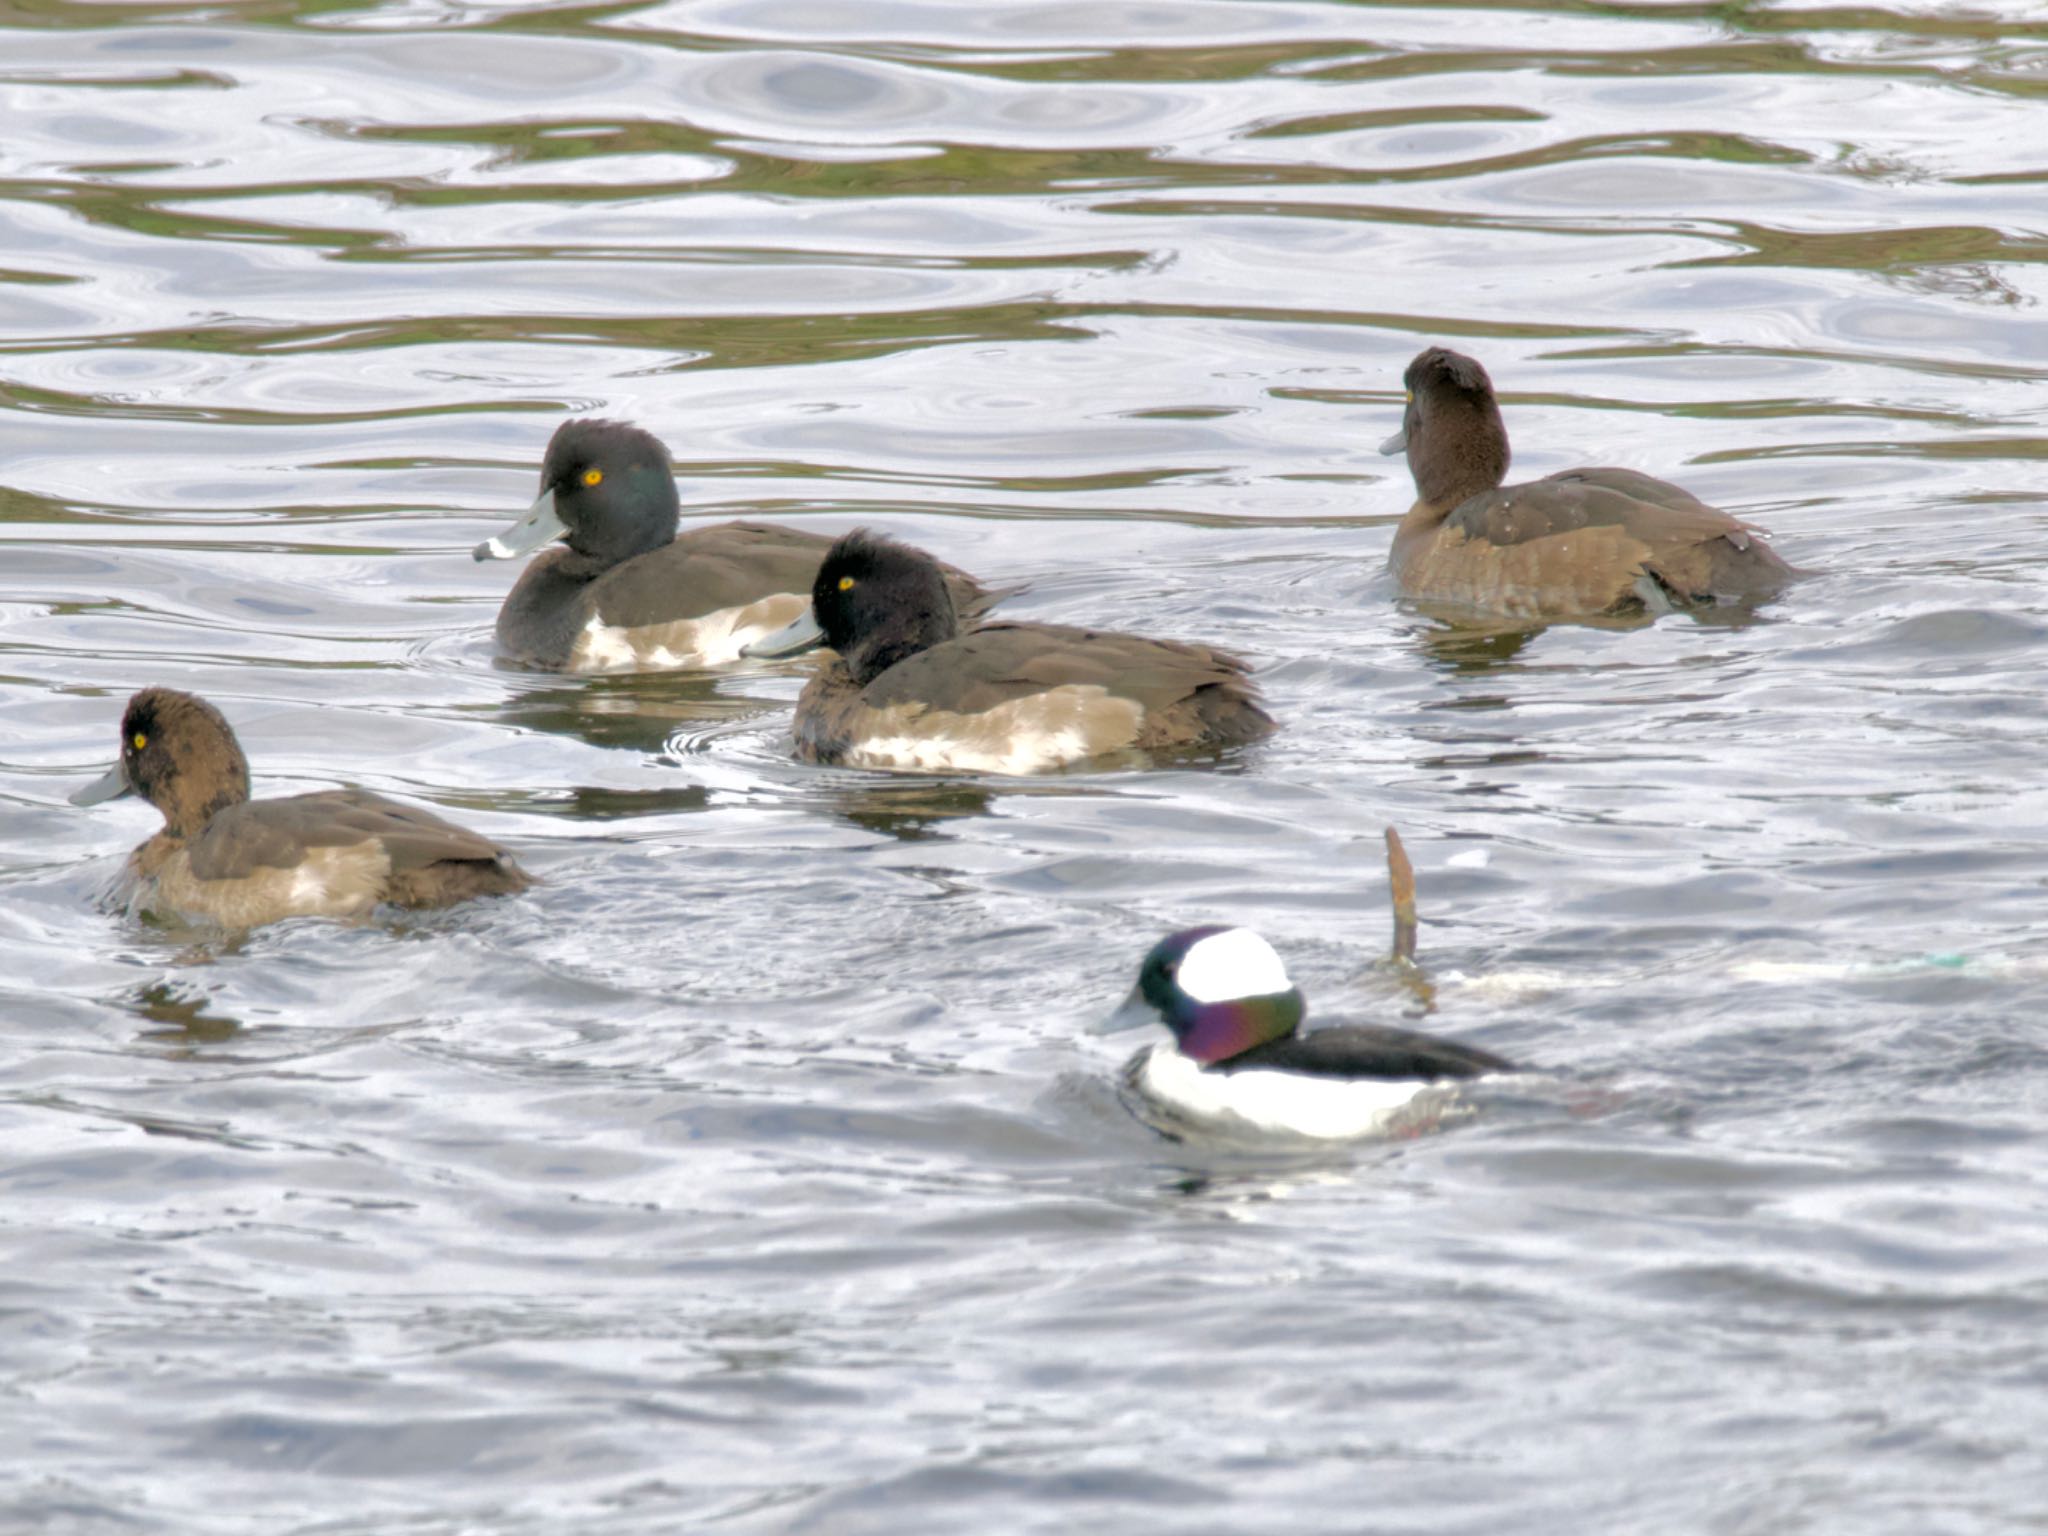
{"x":1238,"y":1059}
{"x":627,"y":592}
{"x":1579,"y":544}
{"x":910,"y":689}
{"x":222,"y":857}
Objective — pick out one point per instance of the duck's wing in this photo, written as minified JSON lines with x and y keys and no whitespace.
{"x":1606,"y":524}
{"x":1185,"y":692}
{"x":734,"y":565}
{"x":279,"y":834}
{"x":1697,"y":552}
{"x":1370,"y":1051}
{"x":708,"y":570}
{"x":1650,"y":509}
{"x":1637,"y":486}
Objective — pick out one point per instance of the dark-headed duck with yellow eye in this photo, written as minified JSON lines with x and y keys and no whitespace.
{"x":222,"y":857}
{"x":1580,"y":544}
{"x":910,"y":690}
{"x":627,"y":592}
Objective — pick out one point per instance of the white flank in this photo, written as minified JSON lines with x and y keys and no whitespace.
{"x":1029,"y":735}
{"x":1034,"y":754}
{"x":1231,"y":964}
{"x":710,"y":640}
{"x":309,"y":889}
{"x":1288,"y":1103}
{"x":344,"y":881}
{"x":605,"y":649}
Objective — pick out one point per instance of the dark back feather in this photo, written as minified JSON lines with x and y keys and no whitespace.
{"x":1368,"y":1051}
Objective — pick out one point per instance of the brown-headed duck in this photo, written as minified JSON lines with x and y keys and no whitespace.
{"x":1579,"y":544}
{"x":225,"y":858}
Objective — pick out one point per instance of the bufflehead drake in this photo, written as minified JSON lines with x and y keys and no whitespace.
{"x":1582,"y":543}
{"x":225,"y":858}
{"x":630,"y":593}
{"x":909,"y":689}
{"x":1236,"y":1060}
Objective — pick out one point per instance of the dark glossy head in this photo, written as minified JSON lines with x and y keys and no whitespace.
{"x":1220,"y":990}
{"x":1451,"y":429}
{"x":877,"y":601}
{"x":615,"y":489}
{"x":606,"y":488}
{"x":180,"y":755}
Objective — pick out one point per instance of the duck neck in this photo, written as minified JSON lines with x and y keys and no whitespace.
{"x":578,"y":566}
{"x":1464,"y":451}
{"x":1215,"y":1032}
{"x":188,"y":803}
{"x":902,"y":640}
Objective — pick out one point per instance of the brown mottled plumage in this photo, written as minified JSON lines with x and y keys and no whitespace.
{"x":224,"y":857}
{"x":1581,"y":543}
{"x":908,"y":690}
{"x":626,"y":591}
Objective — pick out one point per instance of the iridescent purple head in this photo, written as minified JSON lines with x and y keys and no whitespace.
{"x":1220,"y":990}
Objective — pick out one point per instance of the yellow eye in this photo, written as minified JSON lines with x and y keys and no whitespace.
{"x":846,"y":583}
{"x":1408,"y":396}
{"x":593,"y":477}
{"x":139,"y":740}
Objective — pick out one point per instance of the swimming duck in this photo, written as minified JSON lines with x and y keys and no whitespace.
{"x":627,"y":592}
{"x":1581,"y":543}
{"x":1236,"y":1060}
{"x":909,"y":690}
{"x":235,"y":861}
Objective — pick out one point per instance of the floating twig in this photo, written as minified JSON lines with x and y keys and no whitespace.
{"x":1401,"y":877}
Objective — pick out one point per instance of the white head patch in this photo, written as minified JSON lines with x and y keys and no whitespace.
{"x":1233,"y":963}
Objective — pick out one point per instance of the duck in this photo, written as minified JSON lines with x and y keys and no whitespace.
{"x":1583,"y":543}
{"x":1238,"y":1060}
{"x":908,"y":689}
{"x":627,"y":592}
{"x":224,"y":858}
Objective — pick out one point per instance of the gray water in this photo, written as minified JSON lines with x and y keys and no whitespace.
{"x":756,"y":1172}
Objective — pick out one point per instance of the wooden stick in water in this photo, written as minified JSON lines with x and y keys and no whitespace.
{"x":1401,"y":877}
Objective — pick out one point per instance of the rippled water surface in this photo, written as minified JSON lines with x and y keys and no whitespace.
{"x":756,"y":1171}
